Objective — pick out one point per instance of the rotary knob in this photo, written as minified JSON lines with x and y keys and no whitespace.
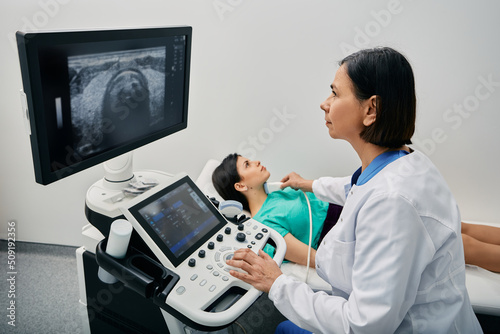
{"x":241,"y":236}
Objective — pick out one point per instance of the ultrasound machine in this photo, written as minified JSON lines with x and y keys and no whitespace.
{"x":154,"y":252}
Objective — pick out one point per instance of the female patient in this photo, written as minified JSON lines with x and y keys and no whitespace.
{"x":286,"y":211}
{"x":482,"y":246}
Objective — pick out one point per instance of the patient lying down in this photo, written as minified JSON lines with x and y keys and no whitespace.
{"x":285,"y":211}
{"x":238,"y":178}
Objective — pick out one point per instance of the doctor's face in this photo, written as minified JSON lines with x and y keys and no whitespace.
{"x":343,"y":110}
{"x":252,"y":173}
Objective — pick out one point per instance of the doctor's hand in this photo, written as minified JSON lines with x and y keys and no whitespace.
{"x":295,"y":181}
{"x":261,"y":269}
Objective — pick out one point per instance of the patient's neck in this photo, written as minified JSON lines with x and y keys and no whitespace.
{"x":256,"y":199}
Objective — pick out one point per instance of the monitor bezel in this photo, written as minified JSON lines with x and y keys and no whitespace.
{"x":176,"y":261}
{"x":28,"y":46}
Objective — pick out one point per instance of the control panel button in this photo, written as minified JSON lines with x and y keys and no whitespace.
{"x":264,"y":230}
{"x":201,"y":253}
{"x":220,"y":237}
{"x":241,"y":237}
{"x":259,"y":236}
{"x":211,"y":245}
{"x":227,"y":230}
{"x":192,"y":262}
{"x":241,"y":227}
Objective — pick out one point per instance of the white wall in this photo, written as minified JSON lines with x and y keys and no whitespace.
{"x":255,"y":60}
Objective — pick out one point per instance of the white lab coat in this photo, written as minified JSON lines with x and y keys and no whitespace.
{"x":394,"y":259}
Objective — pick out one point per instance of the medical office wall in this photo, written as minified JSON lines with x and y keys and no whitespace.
{"x":259,"y":71}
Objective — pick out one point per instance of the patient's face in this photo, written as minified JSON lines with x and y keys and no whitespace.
{"x":252,"y":173}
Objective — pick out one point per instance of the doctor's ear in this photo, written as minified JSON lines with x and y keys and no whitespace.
{"x":371,"y":110}
{"x":240,"y":187}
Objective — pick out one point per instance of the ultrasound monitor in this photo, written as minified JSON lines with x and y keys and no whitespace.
{"x":179,"y":219}
{"x":94,"y":95}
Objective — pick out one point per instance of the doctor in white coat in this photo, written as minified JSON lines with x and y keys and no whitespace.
{"x":395,"y":258}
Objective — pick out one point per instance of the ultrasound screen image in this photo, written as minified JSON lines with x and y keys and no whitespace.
{"x":179,"y":218}
{"x":115,"y":97}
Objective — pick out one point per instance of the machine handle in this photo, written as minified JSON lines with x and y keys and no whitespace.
{"x":138,"y":272}
{"x":279,"y":254}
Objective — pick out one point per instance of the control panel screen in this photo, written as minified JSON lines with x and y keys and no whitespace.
{"x":179,"y":219}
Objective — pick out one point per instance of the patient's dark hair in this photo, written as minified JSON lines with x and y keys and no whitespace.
{"x":386,"y":73}
{"x":225,"y":176}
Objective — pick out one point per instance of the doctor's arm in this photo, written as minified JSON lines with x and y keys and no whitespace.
{"x":295,"y":181}
{"x":328,"y":189}
{"x":261,"y":270}
{"x":390,"y":253}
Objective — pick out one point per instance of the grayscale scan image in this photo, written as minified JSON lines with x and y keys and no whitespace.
{"x":115,"y":97}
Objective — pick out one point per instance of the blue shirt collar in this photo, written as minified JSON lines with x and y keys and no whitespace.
{"x":376,"y":166}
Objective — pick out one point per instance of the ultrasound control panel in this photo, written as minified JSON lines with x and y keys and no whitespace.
{"x":190,"y":237}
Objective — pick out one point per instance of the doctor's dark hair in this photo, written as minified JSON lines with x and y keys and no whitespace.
{"x":225,"y":176}
{"x":386,"y":73}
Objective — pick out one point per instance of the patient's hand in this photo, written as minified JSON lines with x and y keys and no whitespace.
{"x":295,"y":181}
{"x":261,"y":269}
{"x":296,"y":251}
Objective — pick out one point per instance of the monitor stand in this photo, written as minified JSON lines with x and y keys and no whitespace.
{"x":107,"y":195}
{"x":119,"y":171}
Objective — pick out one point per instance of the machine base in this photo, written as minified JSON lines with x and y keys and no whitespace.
{"x":113,"y":308}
